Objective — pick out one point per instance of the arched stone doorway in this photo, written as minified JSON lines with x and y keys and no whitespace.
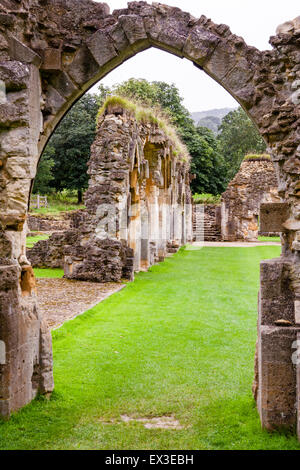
{"x":51,"y":53}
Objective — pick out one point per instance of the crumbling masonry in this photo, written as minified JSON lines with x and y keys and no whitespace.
{"x":138,"y":204}
{"x":254,"y":184}
{"x":51,"y":52}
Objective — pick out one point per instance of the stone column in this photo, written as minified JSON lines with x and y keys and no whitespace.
{"x":162,"y":242}
{"x":134,"y":234}
{"x":26,"y":362}
{"x":145,"y":238}
{"x":154,"y":218}
{"x":277,"y":333}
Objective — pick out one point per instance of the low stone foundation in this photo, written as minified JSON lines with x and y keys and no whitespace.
{"x":65,"y":221}
{"x":51,"y":253}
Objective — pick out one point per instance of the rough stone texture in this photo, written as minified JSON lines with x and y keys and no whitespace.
{"x":272,"y":217}
{"x":51,"y":253}
{"x":63,"y":53}
{"x":254,"y":184}
{"x":138,"y":205}
{"x":65,"y":221}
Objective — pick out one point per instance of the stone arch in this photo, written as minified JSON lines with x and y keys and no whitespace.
{"x":51,"y":53}
{"x":225,"y":57}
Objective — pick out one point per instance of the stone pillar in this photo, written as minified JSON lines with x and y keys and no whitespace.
{"x":154,"y":218}
{"x":162,"y":242}
{"x":145,"y":239}
{"x":134,"y":234}
{"x":277,"y":333}
{"x":26,"y":365}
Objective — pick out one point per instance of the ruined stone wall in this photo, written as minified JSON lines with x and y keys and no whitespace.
{"x":255,"y":183}
{"x":51,"y":52}
{"x":138,"y":203}
{"x":65,"y":221}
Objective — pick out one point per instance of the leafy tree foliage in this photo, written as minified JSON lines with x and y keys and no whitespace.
{"x":207,"y":162}
{"x":206,"y":155}
{"x":215,"y":159}
{"x":44,"y":177}
{"x":238,"y":137}
{"x":71,"y":142}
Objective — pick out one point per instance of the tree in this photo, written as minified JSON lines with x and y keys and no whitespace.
{"x":71,"y":142}
{"x":238,"y":137}
{"x":44,"y":177}
{"x":207,"y":163}
{"x":138,"y":90}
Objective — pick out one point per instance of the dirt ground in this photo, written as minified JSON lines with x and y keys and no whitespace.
{"x":63,"y":299}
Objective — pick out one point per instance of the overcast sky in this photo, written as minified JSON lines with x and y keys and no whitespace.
{"x":254,"y":20}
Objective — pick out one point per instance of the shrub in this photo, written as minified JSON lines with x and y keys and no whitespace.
{"x":263,"y":157}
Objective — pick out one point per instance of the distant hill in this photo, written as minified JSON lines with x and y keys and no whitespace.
{"x":211,"y":118}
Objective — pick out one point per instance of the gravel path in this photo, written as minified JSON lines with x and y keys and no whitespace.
{"x":62,"y":299}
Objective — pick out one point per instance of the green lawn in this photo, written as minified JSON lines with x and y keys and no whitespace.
{"x":178,"y":341}
{"x":48,"y":272}
{"x":59,"y":202}
{"x":31,"y":241}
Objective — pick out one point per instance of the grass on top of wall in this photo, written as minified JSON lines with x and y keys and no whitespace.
{"x":154,"y":115}
{"x":269,"y":239}
{"x":178,"y":341}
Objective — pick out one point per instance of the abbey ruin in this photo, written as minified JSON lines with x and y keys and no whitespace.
{"x":253,"y":185}
{"x":138,"y":204}
{"x":51,"y":53}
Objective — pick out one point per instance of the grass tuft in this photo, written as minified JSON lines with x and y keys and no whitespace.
{"x":153,"y":116}
{"x":206,"y":199}
{"x":264,"y":157}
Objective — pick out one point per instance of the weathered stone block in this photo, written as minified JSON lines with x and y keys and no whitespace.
{"x":200,"y":45}
{"x":222,"y":61}
{"x":17,"y":194}
{"x":101,"y":47}
{"x":63,"y":84}
{"x":133,"y":26}
{"x":51,"y":60}
{"x":54,"y":101}
{"x":15,"y":143}
{"x":239,"y":76}
{"x":84,"y":66}
{"x":20,"y":167}
{"x":15,"y":75}
{"x":272,"y":216}
{"x":277,"y":377}
{"x":22,"y":53}
{"x":118,"y":36}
